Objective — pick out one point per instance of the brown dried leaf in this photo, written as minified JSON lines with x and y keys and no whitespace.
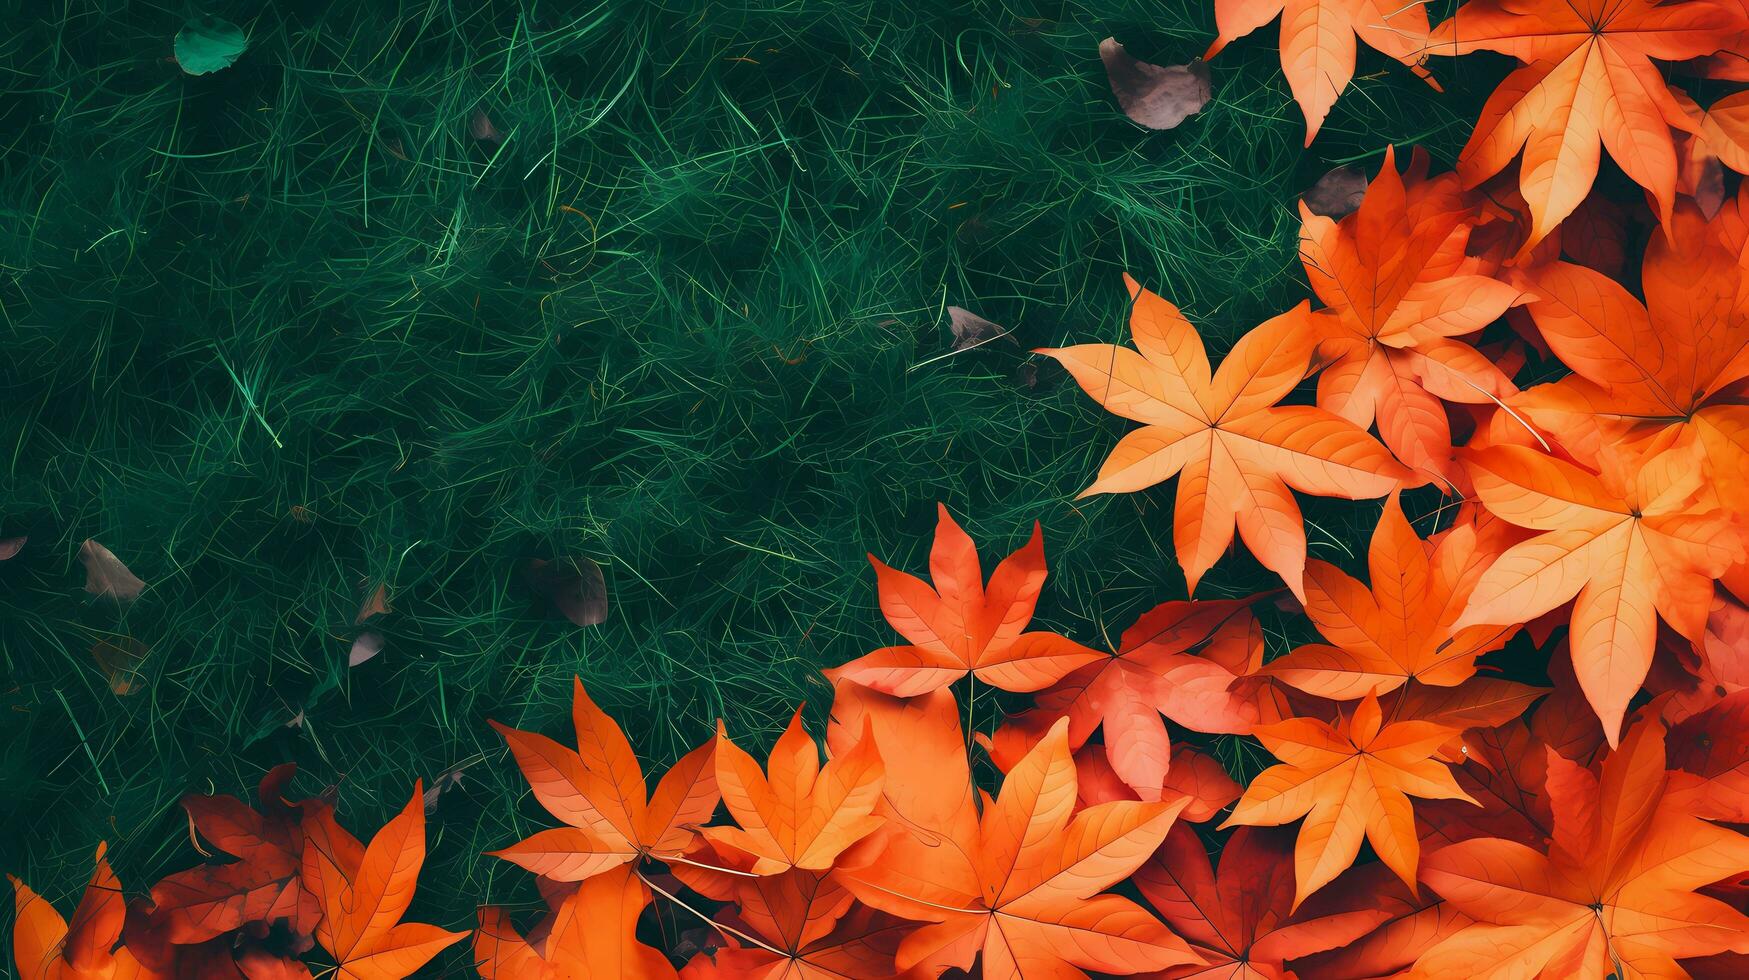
{"x":374,"y":604}
{"x":1158,"y":97}
{"x":121,"y":660}
{"x":1337,"y":193}
{"x":106,"y":576}
{"x":11,"y":546}
{"x":574,"y":585}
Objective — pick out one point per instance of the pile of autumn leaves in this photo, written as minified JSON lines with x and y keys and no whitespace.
{"x":1575,"y":829}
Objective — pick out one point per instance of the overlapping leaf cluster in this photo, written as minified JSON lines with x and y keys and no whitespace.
{"x":1570,"y":426}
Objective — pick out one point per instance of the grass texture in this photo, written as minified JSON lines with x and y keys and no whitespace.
{"x":282,"y":332}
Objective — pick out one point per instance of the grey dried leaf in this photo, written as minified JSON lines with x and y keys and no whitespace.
{"x":11,"y":546}
{"x":480,"y":127}
{"x":574,"y":585}
{"x":1156,"y":96}
{"x":1337,"y":193}
{"x":970,"y":329}
{"x":447,"y":779}
{"x":367,"y":645}
{"x":106,"y":576}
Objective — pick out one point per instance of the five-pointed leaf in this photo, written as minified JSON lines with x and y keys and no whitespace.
{"x":1350,"y":782}
{"x":1128,"y":691}
{"x":1396,"y":277}
{"x":1614,"y":896}
{"x":797,"y":814}
{"x":1239,"y":454}
{"x":1400,"y":629}
{"x":1588,"y":83}
{"x":1020,"y":884}
{"x":598,"y":790}
{"x":1630,"y":543}
{"x":261,"y":885}
{"x":1677,"y":362}
{"x":364,"y":891}
{"x":961,"y":625}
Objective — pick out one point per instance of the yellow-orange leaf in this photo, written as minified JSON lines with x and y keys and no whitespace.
{"x":1234,"y":452}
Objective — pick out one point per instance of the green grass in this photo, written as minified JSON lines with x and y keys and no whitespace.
{"x":675,"y":321}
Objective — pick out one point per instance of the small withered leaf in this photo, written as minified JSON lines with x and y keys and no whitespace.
{"x":480,"y":127}
{"x":1156,"y":96}
{"x":120,"y":660}
{"x":106,"y":576}
{"x":971,"y":330}
{"x":375,"y":603}
{"x":1337,"y":193}
{"x":367,"y":645}
{"x":573,"y":584}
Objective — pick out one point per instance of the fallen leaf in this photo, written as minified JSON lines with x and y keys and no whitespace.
{"x":1632,"y":543}
{"x":47,"y":948}
{"x":1317,"y":42}
{"x":121,"y":661}
{"x":208,"y":44}
{"x":598,"y":790}
{"x":962,"y":625}
{"x":971,"y":330}
{"x":105,"y":575}
{"x":367,"y":645}
{"x":375,"y":603}
{"x":1238,"y":451}
{"x":574,"y":585}
{"x":1241,"y":920}
{"x":1155,"y":96}
{"x":480,"y":127}
{"x":365,"y":890}
{"x":797,"y":814}
{"x":1338,"y":193}
{"x":10,"y":547}
{"x":1588,"y":83}
{"x":1021,"y":885}
{"x":1615,"y":894}
{"x":1351,"y":781}
{"x":592,"y":933}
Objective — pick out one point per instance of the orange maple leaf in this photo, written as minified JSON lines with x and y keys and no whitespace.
{"x":1613,"y":896}
{"x":1126,"y":693}
{"x":1241,"y":921}
{"x":1400,"y":629}
{"x":598,"y":790}
{"x":962,"y":626}
{"x":800,"y":815}
{"x":1587,"y":83}
{"x":799,"y":925}
{"x":1401,"y":288}
{"x":1630,"y":543}
{"x":261,"y":885}
{"x":593,"y":933}
{"x":45,"y":947}
{"x":1021,"y":885}
{"x":364,"y":891}
{"x":1350,"y":782}
{"x":1678,"y":361}
{"x":1317,"y":42}
{"x":1238,"y":452}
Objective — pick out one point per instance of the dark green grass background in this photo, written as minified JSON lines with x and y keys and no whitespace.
{"x":674,"y":321}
